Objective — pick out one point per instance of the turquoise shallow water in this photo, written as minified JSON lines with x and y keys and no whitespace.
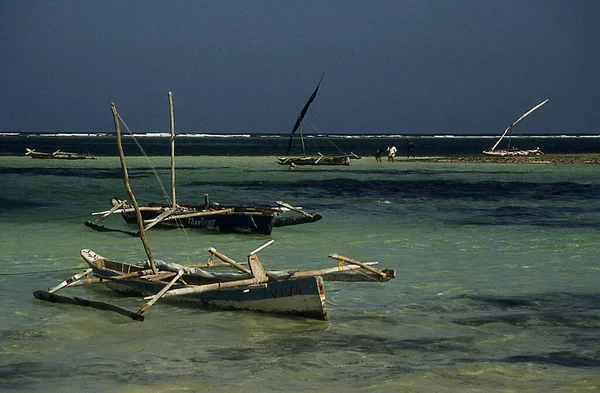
{"x":497,"y":286}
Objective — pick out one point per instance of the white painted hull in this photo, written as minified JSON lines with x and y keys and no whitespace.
{"x":513,"y":153}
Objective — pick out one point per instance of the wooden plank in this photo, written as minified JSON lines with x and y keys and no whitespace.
{"x":210,"y":287}
{"x":228,"y":260}
{"x":139,"y":273}
{"x":162,"y":216}
{"x":131,"y":210}
{"x":111,"y":211}
{"x":354,"y":262}
{"x":199,"y":214}
{"x":258,"y":272}
{"x":257,"y":269}
{"x":69,"y":281}
{"x":259,"y":249}
{"x":160,"y":293}
{"x":321,"y":272}
{"x":87,"y":281}
{"x":160,"y":276}
{"x":359,"y":275}
{"x":54,"y":298}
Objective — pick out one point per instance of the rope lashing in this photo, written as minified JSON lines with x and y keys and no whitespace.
{"x":340,"y":263}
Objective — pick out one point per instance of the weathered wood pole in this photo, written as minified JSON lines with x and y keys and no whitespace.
{"x":172,"y":150}
{"x":138,"y":213}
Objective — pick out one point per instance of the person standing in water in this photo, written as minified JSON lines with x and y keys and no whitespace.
{"x":391,"y":152}
{"x":378,"y":155}
{"x":411,"y":149}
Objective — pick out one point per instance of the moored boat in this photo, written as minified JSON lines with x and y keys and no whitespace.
{"x":59,"y":155}
{"x":295,"y":292}
{"x":229,"y":285}
{"x":513,"y":151}
{"x":299,"y":297}
{"x":319,"y":159}
{"x":314,"y":160}
{"x":212,"y":216}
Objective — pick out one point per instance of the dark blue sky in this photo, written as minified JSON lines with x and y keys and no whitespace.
{"x":402,"y":67}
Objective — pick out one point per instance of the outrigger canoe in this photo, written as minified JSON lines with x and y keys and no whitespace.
{"x":210,"y":215}
{"x":303,"y":296}
{"x":60,"y":155}
{"x":295,"y":292}
{"x":228,"y":285}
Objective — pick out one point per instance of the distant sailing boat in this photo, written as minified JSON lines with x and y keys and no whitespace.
{"x":513,"y":151}
{"x":319,"y":159}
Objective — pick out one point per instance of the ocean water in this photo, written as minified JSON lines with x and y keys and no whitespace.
{"x":156,"y":144}
{"x":497,"y":286}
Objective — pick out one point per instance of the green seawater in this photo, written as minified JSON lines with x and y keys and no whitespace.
{"x":497,"y":286}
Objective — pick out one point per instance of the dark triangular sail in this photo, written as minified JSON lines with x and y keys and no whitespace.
{"x":303,"y":112}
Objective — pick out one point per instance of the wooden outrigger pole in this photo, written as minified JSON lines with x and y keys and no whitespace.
{"x":172,"y":117}
{"x":129,"y":190}
{"x":50,"y":296}
{"x":116,"y":209}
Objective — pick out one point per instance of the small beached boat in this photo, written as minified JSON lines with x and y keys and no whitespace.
{"x":513,"y":151}
{"x":59,"y":155}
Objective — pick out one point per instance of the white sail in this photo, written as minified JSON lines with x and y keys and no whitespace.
{"x":524,"y":115}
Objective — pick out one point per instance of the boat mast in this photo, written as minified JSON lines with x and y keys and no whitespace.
{"x":138,"y":213}
{"x":502,"y":137}
{"x":302,"y":140}
{"x":524,"y":115}
{"x":301,"y":116}
{"x":173,"y":201}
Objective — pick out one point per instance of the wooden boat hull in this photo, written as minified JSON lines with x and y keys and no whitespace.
{"x":284,"y":221}
{"x":240,"y":220}
{"x":211,"y":273}
{"x":314,"y":160}
{"x":513,"y":153}
{"x":59,"y":155}
{"x":300,"y":297}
